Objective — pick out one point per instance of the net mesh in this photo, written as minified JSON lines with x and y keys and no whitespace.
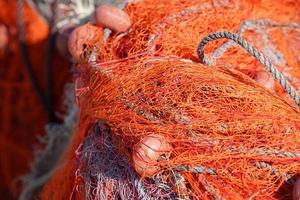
{"x":231,"y":137}
{"x":176,"y":29}
{"x":215,"y":118}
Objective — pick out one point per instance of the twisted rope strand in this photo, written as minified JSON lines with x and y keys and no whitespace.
{"x":254,"y":52}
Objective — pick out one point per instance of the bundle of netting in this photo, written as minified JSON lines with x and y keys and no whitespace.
{"x":157,"y":124}
{"x":169,"y":128}
{"x":176,"y":27}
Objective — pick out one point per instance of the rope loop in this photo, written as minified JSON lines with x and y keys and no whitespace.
{"x":254,"y":52}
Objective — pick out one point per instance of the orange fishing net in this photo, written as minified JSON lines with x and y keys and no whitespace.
{"x":213,"y":117}
{"x":176,"y":29}
{"x":231,"y":137}
{"x":22,"y":117}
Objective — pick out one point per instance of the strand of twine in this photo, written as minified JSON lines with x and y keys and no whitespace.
{"x":45,"y":99}
{"x":257,"y":25}
{"x":25,"y":54}
{"x":254,"y":52}
{"x":48,"y":66}
{"x":287,"y":177}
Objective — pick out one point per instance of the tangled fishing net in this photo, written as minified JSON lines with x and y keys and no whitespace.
{"x":225,"y":135}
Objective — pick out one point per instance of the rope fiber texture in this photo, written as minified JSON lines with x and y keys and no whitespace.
{"x":254,"y":52}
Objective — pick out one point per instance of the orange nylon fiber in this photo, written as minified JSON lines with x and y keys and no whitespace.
{"x":150,"y":82}
{"x":215,"y":117}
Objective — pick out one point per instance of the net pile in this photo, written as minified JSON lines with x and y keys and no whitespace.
{"x":22,"y":117}
{"x":216,"y":119}
{"x":230,"y":137}
{"x":176,"y":29}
